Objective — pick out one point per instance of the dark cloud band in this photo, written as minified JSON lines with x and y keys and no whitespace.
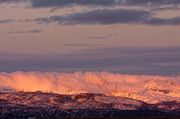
{"x":60,"y":3}
{"x":6,"y":21}
{"x":152,"y":60}
{"x":12,"y":1}
{"x":110,"y":16}
{"x":104,"y":15}
{"x":23,"y":32}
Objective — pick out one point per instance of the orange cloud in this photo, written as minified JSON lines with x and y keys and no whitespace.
{"x":150,"y":89}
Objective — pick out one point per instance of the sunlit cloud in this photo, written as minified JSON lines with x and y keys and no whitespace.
{"x":139,"y":87}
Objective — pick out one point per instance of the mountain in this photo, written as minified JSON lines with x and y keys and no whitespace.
{"x":147,"y":88}
{"x":39,"y":104}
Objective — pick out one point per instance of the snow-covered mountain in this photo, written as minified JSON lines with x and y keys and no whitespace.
{"x":87,"y":94}
{"x":25,"y":104}
{"x":79,"y":101}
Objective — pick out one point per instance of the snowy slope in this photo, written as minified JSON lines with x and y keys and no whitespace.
{"x":49,"y":105}
{"x":80,"y":101}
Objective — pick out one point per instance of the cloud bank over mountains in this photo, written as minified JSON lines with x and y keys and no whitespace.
{"x":150,"y":89}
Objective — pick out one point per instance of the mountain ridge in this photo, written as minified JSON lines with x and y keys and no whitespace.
{"x":25,"y":104}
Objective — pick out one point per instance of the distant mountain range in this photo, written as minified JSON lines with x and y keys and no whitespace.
{"x":50,"y":105}
{"x":151,"y":89}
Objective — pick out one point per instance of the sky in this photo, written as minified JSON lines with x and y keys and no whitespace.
{"x":124,"y":36}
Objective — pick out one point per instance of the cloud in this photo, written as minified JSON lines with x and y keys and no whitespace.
{"x":22,"y":32}
{"x":105,"y":13}
{"x":78,"y":44}
{"x":6,"y":21}
{"x":150,"y":61}
{"x":12,"y":1}
{"x":98,"y":37}
{"x":164,"y":21}
{"x":102,"y":3}
{"x":100,"y":16}
{"x":155,"y":2}
{"x":141,"y":87}
{"x":110,"y":16}
{"x":63,"y":3}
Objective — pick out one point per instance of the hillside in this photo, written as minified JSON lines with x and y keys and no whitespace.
{"x":39,"y":104}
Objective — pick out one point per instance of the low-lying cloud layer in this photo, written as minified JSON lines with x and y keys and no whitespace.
{"x":142,"y":87}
